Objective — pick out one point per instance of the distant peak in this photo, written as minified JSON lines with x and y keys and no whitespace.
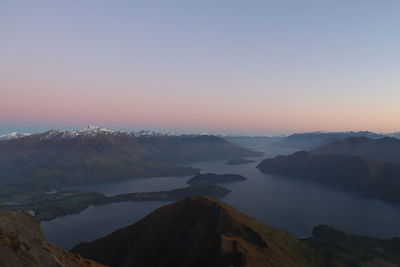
{"x":13,"y":135}
{"x":93,"y":128}
{"x":90,"y":130}
{"x":153,"y":133}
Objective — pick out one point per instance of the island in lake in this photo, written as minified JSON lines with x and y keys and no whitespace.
{"x":64,"y":202}
{"x":49,"y":206}
{"x":212,"y":178}
{"x":239,"y":161}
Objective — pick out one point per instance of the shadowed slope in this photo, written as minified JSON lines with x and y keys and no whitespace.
{"x":23,"y":244}
{"x":199,"y":231}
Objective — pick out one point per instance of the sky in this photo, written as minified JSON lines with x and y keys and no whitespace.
{"x":227,"y":66}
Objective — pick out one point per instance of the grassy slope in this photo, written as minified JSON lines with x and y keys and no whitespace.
{"x":200,"y":231}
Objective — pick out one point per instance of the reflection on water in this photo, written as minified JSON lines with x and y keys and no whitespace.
{"x":281,"y":202}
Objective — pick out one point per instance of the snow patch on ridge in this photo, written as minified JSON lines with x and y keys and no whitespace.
{"x":92,"y":130}
{"x":13,"y":135}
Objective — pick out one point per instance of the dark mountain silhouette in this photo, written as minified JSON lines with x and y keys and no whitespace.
{"x":386,"y":149}
{"x":372,"y":178}
{"x":199,"y":231}
{"x":23,"y":244}
{"x":313,"y":140}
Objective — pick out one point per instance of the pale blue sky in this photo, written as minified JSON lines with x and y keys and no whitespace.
{"x":218,"y":66}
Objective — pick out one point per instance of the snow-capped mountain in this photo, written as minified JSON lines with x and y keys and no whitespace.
{"x":153,"y":133}
{"x":92,"y":131}
{"x":95,"y":154}
{"x":12,"y":135}
{"x":89,"y":131}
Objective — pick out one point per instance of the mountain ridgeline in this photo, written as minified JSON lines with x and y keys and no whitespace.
{"x":385,"y":149}
{"x":55,"y":158}
{"x":199,"y":231}
{"x":313,"y":140}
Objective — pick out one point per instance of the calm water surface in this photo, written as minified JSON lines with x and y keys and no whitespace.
{"x":281,"y":202}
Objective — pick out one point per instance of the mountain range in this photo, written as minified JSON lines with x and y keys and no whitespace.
{"x":53,"y":158}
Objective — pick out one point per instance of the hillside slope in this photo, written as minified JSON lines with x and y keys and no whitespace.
{"x":23,"y":244}
{"x":199,"y":231}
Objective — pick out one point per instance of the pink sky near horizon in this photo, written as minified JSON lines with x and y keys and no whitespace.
{"x":174,"y":103}
{"x":205,"y":68}
{"x":159,"y":100}
{"x":223,"y":114}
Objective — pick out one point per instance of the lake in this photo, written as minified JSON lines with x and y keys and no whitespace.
{"x":281,"y":202}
